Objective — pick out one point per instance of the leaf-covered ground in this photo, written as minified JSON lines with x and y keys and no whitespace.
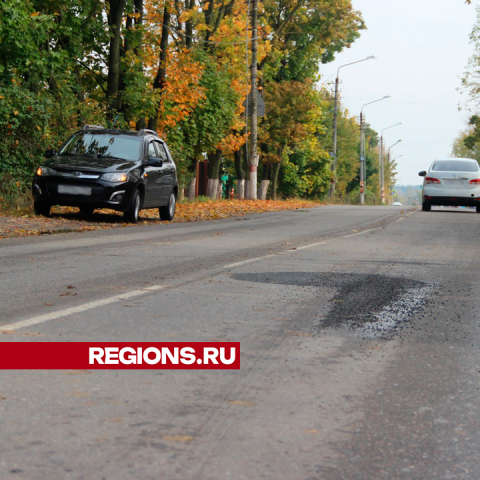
{"x":67,"y":219}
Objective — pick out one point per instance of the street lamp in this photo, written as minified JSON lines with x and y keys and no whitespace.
{"x":335,"y":112}
{"x":382,"y":169}
{"x":363,"y":162}
{"x":388,"y":154}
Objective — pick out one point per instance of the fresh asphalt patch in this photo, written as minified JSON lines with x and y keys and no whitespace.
{"x":374,"y":305}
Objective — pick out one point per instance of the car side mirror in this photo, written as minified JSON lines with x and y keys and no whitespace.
{"x":155,"y":162}
{"x":50,"y":153}
{"x":423,"y":173}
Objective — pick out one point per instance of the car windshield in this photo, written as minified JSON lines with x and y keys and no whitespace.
{"x":454,"y":166}
{"x":126,"y":147}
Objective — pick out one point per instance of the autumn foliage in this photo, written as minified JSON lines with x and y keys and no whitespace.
{"x":180,"y":68}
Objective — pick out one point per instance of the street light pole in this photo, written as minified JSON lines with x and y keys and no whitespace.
{"x":382,"y":169}
{"x":333,"y":166}
{"x":253,"y":164}
{"x":388,"y":159}
{"x":363,"y":155}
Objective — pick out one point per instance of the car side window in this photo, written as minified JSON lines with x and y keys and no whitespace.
{"x":151,"y":150}
{"x":161,"y":152}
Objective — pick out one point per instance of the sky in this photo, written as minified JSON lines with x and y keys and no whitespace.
{"x":423,"y":50}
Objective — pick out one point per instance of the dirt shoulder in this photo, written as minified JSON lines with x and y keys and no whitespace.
{"x":66,"y":219}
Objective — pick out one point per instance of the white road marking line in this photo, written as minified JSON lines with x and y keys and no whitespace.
{"x":359,"y":233}
{"x":399,"y":220}
{"x":245,"y":262}
{"x":257,"y":259}
{"x":308,"y":246}
{"x":80,"y":308}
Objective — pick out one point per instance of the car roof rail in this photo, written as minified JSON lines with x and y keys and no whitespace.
{"x":146,"y":130}
{"x":89,"y":127}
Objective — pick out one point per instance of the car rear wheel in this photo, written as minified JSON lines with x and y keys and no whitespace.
{"x":478,"y":208}
{"x":41,"y":208}
{"x":86,"y":210}
{"x":168,"y":211}
{"x":426,"y":207}
{"x":131,"y":214}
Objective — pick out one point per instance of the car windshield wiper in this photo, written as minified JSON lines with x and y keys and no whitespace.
{"x":100,"y":155}
{"x":77,"y":154}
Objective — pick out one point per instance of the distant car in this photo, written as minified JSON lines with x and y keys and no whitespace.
{"x":396,"y":204}
{"x":451,"y":182}
{"x":101,"y":168}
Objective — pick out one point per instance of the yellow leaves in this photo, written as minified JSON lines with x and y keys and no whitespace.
{"x":186,"y":16}
{"x":35,"y":14}
{"x":15,"y":112}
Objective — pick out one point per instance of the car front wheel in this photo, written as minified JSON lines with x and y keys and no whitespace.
{"x":168,"y":211}
{"x":131,"y":214}
{"x":41,"y":208}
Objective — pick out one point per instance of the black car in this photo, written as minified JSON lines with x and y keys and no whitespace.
{"x":102,"y":168}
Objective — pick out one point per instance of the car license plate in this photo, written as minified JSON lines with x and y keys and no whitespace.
{"x":74,"y":190}
{"x":454,"y":182}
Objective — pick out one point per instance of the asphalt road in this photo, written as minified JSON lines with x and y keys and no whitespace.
{"x":359,"y":337}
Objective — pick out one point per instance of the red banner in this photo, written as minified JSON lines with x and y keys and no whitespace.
{"x":115,"y":356}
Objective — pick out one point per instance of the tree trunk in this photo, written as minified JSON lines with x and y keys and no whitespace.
{"x":245,"y":169}
{"x":263,"y":190}
{"x":220,"y":191}
{"x":246,"y":190}
{"x":132,"y":41}
{"x":159,"y":81}
{"x":276,"y":170}
{"x":189,"y":5}
{"x":237,"y":155}
{"x":212,"y":188}
{"x":213,"y":173}
{"x":191,"y":188}
{"x":266,"y":173}
{"x":181,"y":191}
{"x":115,"y":16}
{"x":241,"y":189}
{"x":253,"y":114}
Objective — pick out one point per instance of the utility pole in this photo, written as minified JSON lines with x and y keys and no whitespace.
{"x":382,"y":175}
{"x":333,"y":166}
{"x":362,"y":159}
{"x":363,"y":150}
{"x":253,"y":164}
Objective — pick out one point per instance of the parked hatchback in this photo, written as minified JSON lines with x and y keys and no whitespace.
{"x":102,"y":168}
{"x":451,"y":182}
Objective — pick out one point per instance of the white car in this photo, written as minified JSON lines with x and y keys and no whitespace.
{"x":451,"y":182}
{"x":396,"y":204}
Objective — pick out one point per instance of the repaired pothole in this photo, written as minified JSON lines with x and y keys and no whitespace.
{"x":373,"y":303}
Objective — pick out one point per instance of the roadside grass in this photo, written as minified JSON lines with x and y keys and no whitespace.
{"x":15,"y":200}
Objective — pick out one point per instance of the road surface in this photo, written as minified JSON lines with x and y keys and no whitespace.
{"x":359,"y":337}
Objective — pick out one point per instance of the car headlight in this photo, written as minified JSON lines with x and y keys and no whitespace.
{"x":115,"y":177}
{"x":45,"y":171}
